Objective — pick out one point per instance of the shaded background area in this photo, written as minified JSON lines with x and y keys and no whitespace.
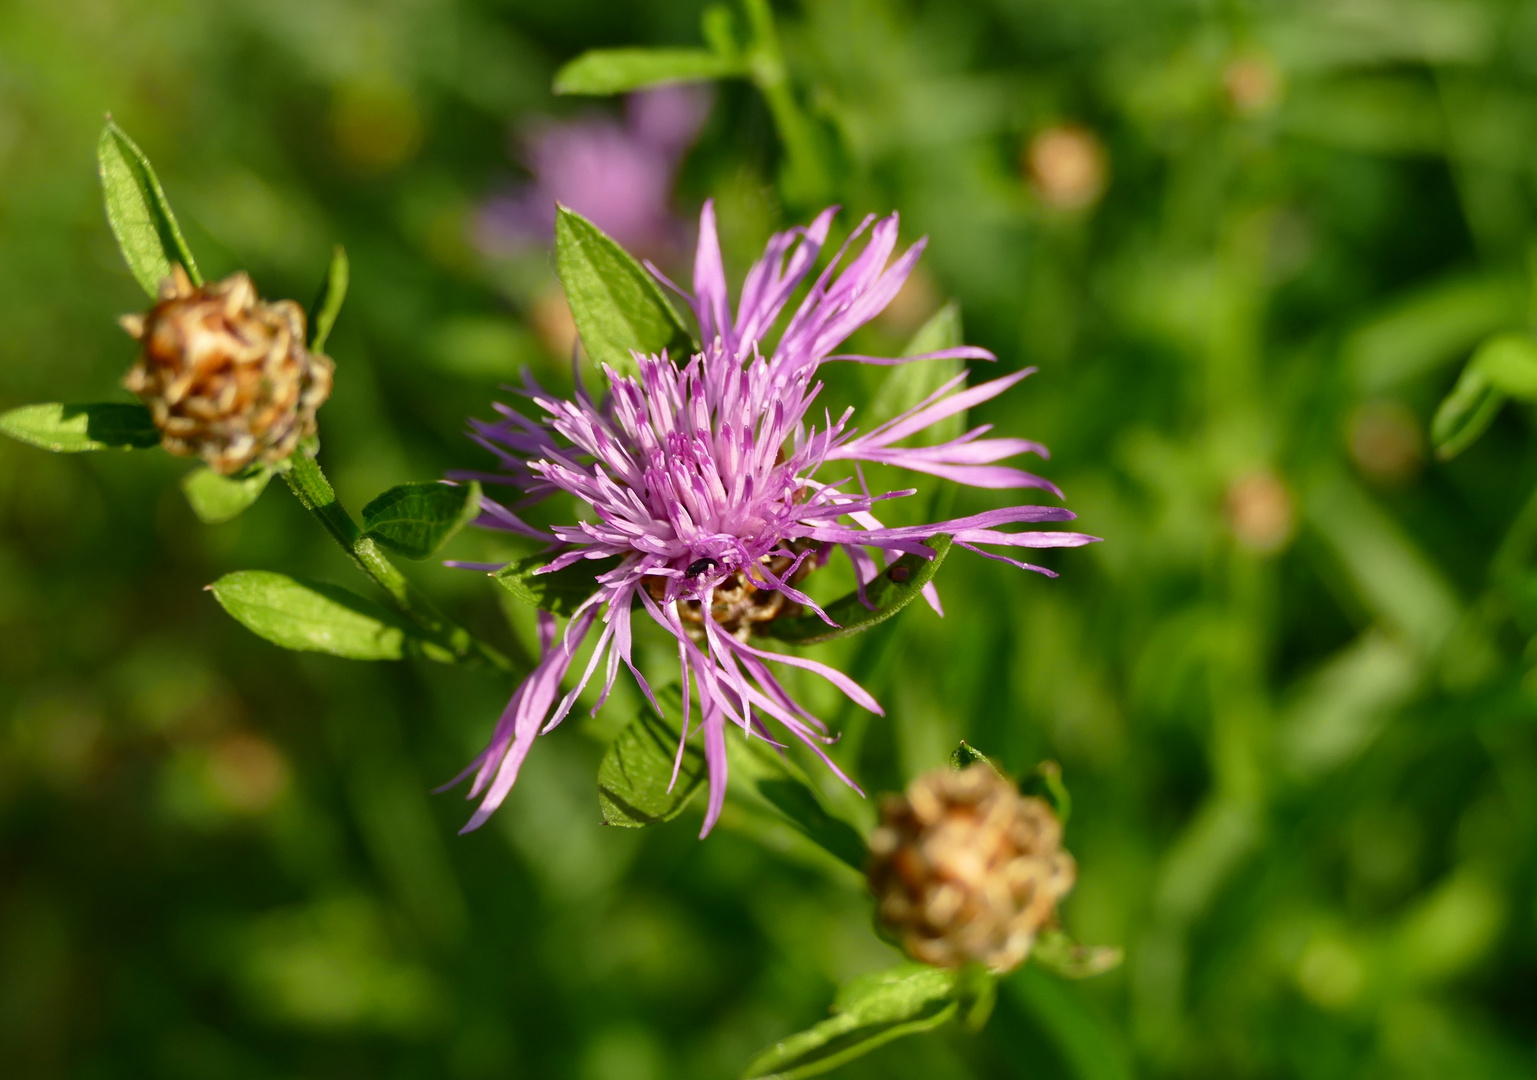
{"x":1248,"y":246}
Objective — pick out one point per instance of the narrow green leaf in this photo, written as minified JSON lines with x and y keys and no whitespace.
{"x":415,"y":520}
{"x":139,"y":213}
{"x":763,"y":776}
{"x":618,"y":307}
{"x":71,"y":429}
{"x":868,"y":1012}
{"x":1504,"y":366}
{"x":328,"y":304}
{"x":1046,"y":783}
{"x":618,"y":71}
{"x":1509,"y":362}
{"x":1060,"y":954}
{"x":314,"y":617}
{"x":888,"y":594}
{"x":636,"y":773}
{"x":908,"y":384}
{"x":559,"y":593}
{"x":1465,"y":414}
{"x":216,"y":498}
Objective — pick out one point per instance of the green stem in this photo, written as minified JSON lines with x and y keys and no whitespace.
{"x":316,"y":495}
{"x":806,"y":177}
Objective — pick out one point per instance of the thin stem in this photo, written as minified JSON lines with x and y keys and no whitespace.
{"x":316,"y":495}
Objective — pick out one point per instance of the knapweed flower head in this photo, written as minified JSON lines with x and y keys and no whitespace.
{"x":618,"y":175}
{"x":966,"y":869}
{"x":711,"y":486}
{"x":226,"y":376}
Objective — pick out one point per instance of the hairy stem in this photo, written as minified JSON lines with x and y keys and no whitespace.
{"x":315,"y":493}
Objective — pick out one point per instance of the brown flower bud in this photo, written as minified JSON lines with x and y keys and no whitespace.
{"x":965,"y":868}
{"x":225,"y":374}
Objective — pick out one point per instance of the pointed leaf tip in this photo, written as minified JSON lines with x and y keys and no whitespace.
{"x":618,"y":307}
{"x":139,"y":212}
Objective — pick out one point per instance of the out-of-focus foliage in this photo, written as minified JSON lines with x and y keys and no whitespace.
{"x":1250,"y":246}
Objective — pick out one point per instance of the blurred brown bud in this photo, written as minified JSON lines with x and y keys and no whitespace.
{"x":553,"y":325}
{"x":1260,"y":512}
{"x":1253,"y":83}
{"x":965,"y":868}
{"x":226,"y":375}
{"x":1066,"y":166}
{"x":248,"y":773}
{"x":1386,"y":442}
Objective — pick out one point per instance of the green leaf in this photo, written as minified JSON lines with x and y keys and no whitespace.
{"x":618,"y":307}
{"x":1046,"y":783}
{"x":965,"y":756}
{"x":762,"y":776}
{"x":636,"y":772}
{"x":328,"y":304}
{"x":618,"y":71}
{"x":140,"y":215}
{"x":1509,"y":362}
{"x":415,"y":520}
{"x":888,"y":594}
{"x":1060,"y":954}
{"x":908,"y":384}
{"x":559,"y":593}
{"x":216,"y":498}
{"x":868,"y":1012}
{"x":71,"y":429}
{"x":312,"y":616}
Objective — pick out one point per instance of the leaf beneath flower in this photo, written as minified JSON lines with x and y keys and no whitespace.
{"x":216,"y":498}
{"x":618,"y":71}
{"x":636,"y":773}
{"x":415,"y":520}
{"x":868,"y":1012}
{"x":908,"y":384}
{"x":888,"y":594}
{"x":310,"y":616}
{"x":559,"y":593}
{"x":73,"y":429}
{"x":618,"y":307}
{"x":139,"y":213}
{"x":763,"y":777}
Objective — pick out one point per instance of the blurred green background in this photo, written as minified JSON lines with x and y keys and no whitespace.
{"x":1248,"y":244}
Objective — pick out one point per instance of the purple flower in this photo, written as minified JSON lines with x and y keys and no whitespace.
{"x":620,"y":176}
{"x":704,"y":478}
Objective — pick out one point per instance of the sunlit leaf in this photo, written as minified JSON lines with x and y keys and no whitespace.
{"x":1504,"y":366}
{"x":868,"y":1012}
{"x":888,"y":594}
{"x":763,"y":775}
{"x":560,"y":592}
{"x":618,"y":71}
{"x":1058,"y":953}
{"x":140,"y":215}
{"x":72,"y":429}
{"x":215,"y":498}
{"x":415,"y":520}
{"x":312,"y":616}
{"x":328,"y":304}
{"x":635,"y":784}
{"x":618,"y":307}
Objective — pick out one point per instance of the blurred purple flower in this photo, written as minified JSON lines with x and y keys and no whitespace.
{"x":701,"y":479}
{"x":618,"y":175}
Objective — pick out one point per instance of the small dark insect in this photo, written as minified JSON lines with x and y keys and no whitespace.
{"x":899,"y":574}
{"x":699,"y":566}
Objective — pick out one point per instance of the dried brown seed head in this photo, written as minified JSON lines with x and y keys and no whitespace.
{"x":964,"y":868}
{"x":226,"y":375}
